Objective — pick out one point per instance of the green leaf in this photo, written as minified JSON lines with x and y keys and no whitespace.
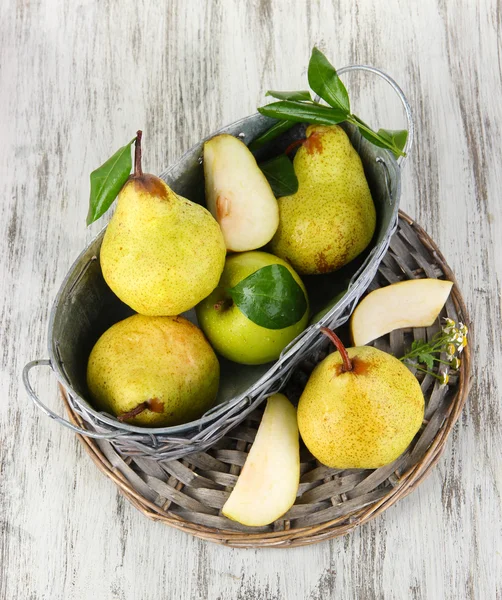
{"x":324,"y":80}
{"x":426,"y":359}
{"x":397,"y":137}
{"x":271,"y":134}
{"x":107,"y":181}
{"x":393,"y":140}
{"x":270,"y":297}
{"x":301,"y":96}
{"x":281,"y":175}
{"x":301,"y":112}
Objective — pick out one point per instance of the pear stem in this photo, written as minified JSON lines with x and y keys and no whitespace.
{"x":134,"y":412}
{"x":347,"y":363}
{"x":223,"y":304}
{"x":294,"y":145}
{"x":138,"y":171}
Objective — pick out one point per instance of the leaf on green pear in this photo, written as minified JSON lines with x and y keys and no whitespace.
{"x":324,"y":80}
{"x":281,"y":176}
{"x":270,"y":297}
{"x":107,"y":181}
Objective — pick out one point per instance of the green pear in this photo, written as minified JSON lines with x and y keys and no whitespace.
{"x":331,"y":218}
{"x":268,"y":484}
{"x":238,"y":194}
{"x":161,"y":254}
{"x":153,"y":371}
{"x":231,"y":332}
{"x":360,"y":409}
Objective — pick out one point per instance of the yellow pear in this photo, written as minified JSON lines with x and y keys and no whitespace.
{"x":153,"y":371}
{"x":238,"y":194}
{"x":331,"y":218}
{"x":412,"y":303}
{"x":161,"y":254}
{"x":360,"y":409}
{"x":268,"y":484}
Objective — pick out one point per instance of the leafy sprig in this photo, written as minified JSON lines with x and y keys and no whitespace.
{"x":300,"y":107}
{"x":451,"y":340}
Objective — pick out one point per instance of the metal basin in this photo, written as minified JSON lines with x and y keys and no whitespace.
{"x":85,"y":307}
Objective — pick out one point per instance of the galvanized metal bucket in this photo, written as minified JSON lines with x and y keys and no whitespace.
{"x":85,"y":307}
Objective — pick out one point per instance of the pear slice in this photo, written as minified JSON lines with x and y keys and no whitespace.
{"x":238,"y":194}
{"x":268,"y":483}
{"x":413,"y":303}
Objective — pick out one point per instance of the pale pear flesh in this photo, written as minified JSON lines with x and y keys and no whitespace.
{"x":268,"y":484}
{"x":165,"y":362}
{"x":238,"y":194}
{"x":230,"y":332}
{"x":331,"y":219}
{"x":364,"y":418}
{"x":161,"y":254}
{"x":411,"y":303}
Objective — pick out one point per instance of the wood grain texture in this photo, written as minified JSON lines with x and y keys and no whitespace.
{"x":76,"y":81}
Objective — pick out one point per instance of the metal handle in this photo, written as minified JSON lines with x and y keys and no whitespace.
{"x":44,"y":362}
{"x":404,"y":101}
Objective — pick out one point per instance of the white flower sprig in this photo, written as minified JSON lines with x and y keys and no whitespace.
{"x":451,"y":340}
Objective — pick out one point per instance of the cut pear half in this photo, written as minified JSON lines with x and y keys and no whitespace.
{"x":268,"y":483}
{"x":238,"y":194}
{"x":413,"y":303}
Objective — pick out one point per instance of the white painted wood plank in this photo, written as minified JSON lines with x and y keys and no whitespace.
{"x":76,"y":81}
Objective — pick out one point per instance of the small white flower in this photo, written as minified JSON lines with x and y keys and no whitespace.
{"x":444,"y":378}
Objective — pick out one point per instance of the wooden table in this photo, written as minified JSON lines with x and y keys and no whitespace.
{"x":77,"y":79}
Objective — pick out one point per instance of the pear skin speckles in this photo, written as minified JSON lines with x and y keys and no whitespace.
{"x":364,"y":418}
{"x":331,"y":219}
{"x":161,"y":254}
{"x":165,"y":362}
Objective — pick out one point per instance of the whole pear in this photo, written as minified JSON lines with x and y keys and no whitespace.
{"x":161,"y":254}
{"x":331,"y":218}
{"x":238,"y":194}
{"x":360,"y":409}
{"x":153,"y":371}
{"x":229,"y":330}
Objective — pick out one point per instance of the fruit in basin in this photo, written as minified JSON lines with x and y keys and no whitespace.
{"x":259,"y":306}
{"x":238,"y":194}
{"x":331,"y":218}
{"x":153,"y":371}
{"x":161,"y":253}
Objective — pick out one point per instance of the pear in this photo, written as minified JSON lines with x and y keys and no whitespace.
{"x":412,"y":303}
{"x":360,"y":409}
{"x":238,"y":194}
{"x":331,"y":218}
{"x":153,"y":371}
{"x":268,"y":484}
{"x":161,"y":254}
{"x":231,"y":333}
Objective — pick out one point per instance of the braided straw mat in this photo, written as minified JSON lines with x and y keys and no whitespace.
{"x":188,"y":494}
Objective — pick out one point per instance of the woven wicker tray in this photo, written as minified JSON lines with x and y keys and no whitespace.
{"x":188,"y":494}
